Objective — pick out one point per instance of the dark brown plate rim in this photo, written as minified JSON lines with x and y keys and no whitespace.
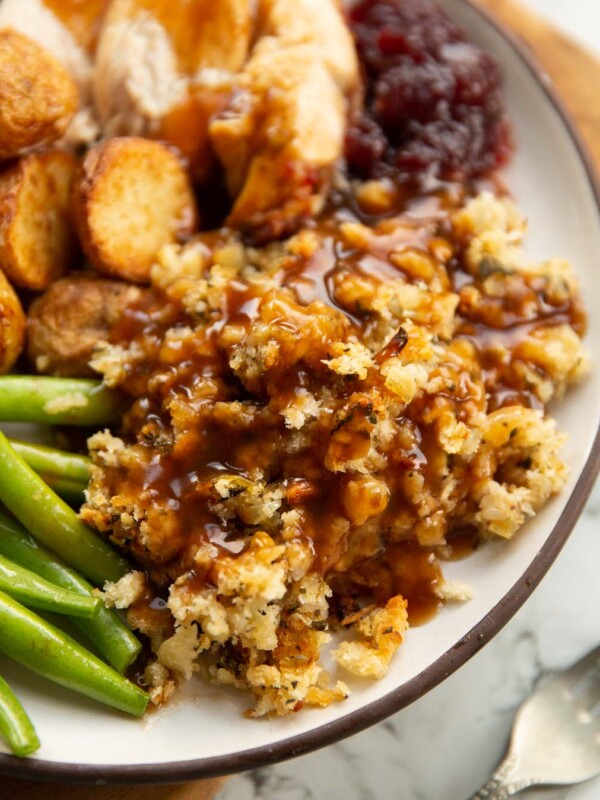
{"x":451,"y":660}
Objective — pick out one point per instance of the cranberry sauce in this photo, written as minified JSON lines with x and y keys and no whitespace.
{"x":433,"y":105}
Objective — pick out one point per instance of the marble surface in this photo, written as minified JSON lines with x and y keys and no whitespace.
{"x":445,"y":745}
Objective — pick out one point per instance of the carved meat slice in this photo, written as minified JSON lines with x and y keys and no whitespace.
{"x":279,"y":137}
{"x":163,"y":68}
{"x":283,"y":129}
{"x":317,"y":22}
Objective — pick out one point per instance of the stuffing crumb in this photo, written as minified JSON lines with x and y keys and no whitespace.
{"x":65,"y":402}
{"x":303,"y":408}
{"x":178,"y":653}
{"x":125,"y":592}
{"x":114,"y":362}
{"x":105,"y":448}
{"x":454,"y":591}
{"x":160,"y":684}
{"x":494,"y":228}
{"x":404,"y":380}
{"x":350,"y":359}
{"x":382,"y":632}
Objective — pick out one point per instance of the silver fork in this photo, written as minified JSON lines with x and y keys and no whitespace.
{"x":556,"y":734}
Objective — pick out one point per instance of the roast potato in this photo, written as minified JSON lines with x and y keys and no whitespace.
{"x":12,"y":325}
{"x":38,"y":97}
{"x":37,"y":238}
{"x":68,"y":30}
{"x":131,"y":197}
{"x":66,"y":323}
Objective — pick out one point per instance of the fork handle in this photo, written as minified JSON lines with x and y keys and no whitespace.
{"x":502,"y":785}
{"x":493,"y":790}
{"x":498,"y":790}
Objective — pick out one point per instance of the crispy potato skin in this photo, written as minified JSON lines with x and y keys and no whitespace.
{"x":37,"y":95}
{"x":131,"y":196}
{"x":67,"y":322}
{"x":12,"y":325}
{"x":37,"y":237}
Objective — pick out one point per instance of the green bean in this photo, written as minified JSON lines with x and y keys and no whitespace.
{"x":15,"y":725}
{"x":65,"y":473}
{"x":111,"y":637}
{"x":34,"y":592}
{"x":50,"y":461}
{"x":57,"y":401}
{"x":72,"y":492}
{"x":53,"y":522}
{"x":44,"y":649}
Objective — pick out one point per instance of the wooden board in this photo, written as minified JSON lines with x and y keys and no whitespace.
{"x":576,"y":75}
{"x":574,"y":72}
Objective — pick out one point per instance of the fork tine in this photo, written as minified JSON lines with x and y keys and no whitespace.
{"x":575,"y":674}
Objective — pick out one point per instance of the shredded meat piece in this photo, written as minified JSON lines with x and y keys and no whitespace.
{"x":276,"y":145}
{"x":162,"y":69}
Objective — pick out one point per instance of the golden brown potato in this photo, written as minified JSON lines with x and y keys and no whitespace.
{"x":67,"y":322}
{"x":37,"y":238}
{"x":37,"y":95}
{"x":131,"y":197}
{"x":66,"y":29}
{"x":12,"y":325}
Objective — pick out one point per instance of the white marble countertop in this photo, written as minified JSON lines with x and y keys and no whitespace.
{"x":446,"y":744}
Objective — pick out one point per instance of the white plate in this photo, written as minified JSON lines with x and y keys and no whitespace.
{"x":203,"y":732}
